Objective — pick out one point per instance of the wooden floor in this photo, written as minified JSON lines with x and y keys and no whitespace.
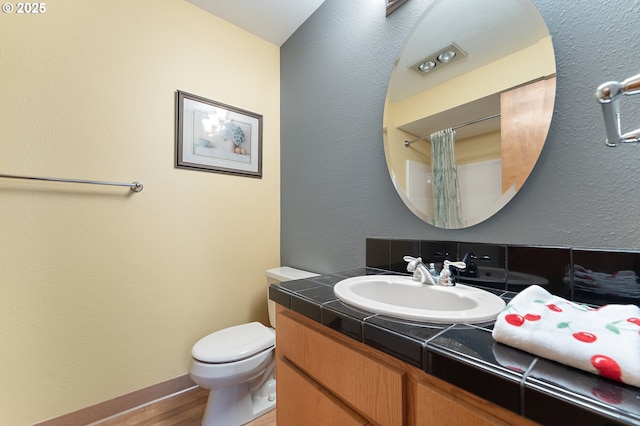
{"x":185,"y":409}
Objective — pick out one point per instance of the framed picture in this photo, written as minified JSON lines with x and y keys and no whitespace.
{"x":214,"y":137}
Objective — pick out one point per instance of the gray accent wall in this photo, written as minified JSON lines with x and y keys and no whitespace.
{"x":336,"y":189}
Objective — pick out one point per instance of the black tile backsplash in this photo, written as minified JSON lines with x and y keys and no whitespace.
{"x":438,"y":251}
{"x":491,"y":255}
{"x":377,"y":253}
{"x":400,"y":248}
{"x":486,"y":265}
{"x":606,"y":277}
{"x":543,"y":266}
{"x":595,"y":277}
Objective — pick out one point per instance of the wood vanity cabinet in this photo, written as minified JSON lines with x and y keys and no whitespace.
{"x":326,"y":378}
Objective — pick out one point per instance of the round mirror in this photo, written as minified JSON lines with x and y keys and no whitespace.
{"x":468,"y":108}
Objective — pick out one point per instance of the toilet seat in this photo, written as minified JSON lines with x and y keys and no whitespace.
{"x":233,"y":343}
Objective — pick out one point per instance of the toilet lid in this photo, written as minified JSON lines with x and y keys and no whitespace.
{"x":234,"y":343}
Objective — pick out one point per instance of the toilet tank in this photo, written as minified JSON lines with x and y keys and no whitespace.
{"x":281,"y":274}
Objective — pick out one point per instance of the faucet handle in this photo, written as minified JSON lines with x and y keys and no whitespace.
{"x":459,"y":264}
{"x":445,"y":275}
{"x":412,"y":262}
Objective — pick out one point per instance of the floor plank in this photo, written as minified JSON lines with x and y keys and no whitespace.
{"x":185,"y":409}
{"x":267,"y":419}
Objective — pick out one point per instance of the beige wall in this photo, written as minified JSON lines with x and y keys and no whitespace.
{"x":104,"y":291}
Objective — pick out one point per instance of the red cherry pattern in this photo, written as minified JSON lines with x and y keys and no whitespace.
{"x":635,"y":321}
{"x":518,"y":320}
{"x":583,"y":336}
{"x":514,"y":319}
{"x":553,"y":307}
{"x":532,"y":317}
{"x":607,"y":367}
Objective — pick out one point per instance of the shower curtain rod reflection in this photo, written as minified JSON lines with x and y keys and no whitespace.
{"x":488,"y":117}
{"x":135,"y":186}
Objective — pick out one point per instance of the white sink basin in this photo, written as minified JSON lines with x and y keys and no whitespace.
{"x":401,"y":297}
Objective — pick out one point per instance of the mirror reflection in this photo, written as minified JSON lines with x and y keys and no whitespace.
{"x":468,"y":108}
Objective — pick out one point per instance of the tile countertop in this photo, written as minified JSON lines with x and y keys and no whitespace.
{"x":467,"y":356}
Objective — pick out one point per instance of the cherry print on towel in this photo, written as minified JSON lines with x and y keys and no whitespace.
{"x":516,"y":319}
{"x":607,"y":367}
{"x":551,"y":306}
{"x":616,"y":327}
{"x":582,"y":336}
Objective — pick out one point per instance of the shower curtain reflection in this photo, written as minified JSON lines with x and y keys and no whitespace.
{"x":446,"y":191}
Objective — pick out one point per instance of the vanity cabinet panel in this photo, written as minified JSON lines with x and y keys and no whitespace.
{"x":372,"y":388}
{"x":322,"y":375}
{"x":313,"y":405}
{"x":444,"y":410}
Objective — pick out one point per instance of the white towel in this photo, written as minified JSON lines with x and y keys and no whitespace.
{"x":603,"y":341}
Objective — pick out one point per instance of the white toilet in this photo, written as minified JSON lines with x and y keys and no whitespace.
{"x":237,"y":365}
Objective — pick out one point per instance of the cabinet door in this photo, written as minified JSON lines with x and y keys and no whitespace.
{"x":302,"y":401}
{"x":440,"y":409}
{"x":373,"y":388}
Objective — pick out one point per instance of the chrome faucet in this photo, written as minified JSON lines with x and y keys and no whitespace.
{"x":430,"y":275}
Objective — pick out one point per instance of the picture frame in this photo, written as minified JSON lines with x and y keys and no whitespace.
{"x":215,"y":137}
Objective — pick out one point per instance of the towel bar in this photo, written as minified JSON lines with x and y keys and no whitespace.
{"x":608,"y":94}
{"x":135,"y":186}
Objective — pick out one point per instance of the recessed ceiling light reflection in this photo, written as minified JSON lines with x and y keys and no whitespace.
{"x":427,"y":66}
{"x":446,"y":56}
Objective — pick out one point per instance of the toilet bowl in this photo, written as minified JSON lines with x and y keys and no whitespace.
{"x":237,"y":365}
